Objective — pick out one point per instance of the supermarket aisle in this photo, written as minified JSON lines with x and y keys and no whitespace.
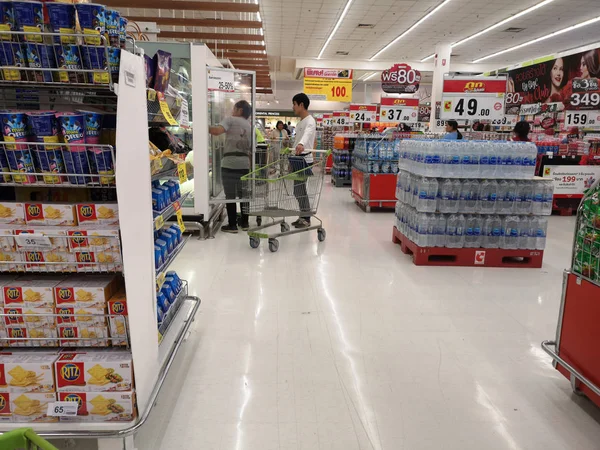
{"x":346,"y":345}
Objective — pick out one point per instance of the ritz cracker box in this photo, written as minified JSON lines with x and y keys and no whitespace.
{"x":50,"y":214}
{"x":100,"y":406}
{"x":97,"y":214}
{"x":26,"y":407}
{"x":31,"y":291}
{"x":86,"y":291}
{"x":94,"y":240}
{"x":117,"y":310}
{"x":27,"y":372}
{"x":12,"y":213}
{"x":94,"y":372}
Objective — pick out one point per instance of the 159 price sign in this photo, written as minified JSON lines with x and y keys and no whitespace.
{"x":589,"y":119}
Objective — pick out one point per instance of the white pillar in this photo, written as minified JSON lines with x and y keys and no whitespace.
{"x":441,"y":66}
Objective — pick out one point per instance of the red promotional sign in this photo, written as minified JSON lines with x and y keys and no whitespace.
{"x":399,"y":79}
{"x":490,"y":86}
{"x":362,"y":113}
{"x":397,"y":110}
{"x":310,"y":72}
{"x":389,"y":101}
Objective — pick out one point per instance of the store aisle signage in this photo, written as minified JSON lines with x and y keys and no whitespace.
{"x":327,"y":120}
{"x":424,"y":113}
{"x":332,"y":85}
{"x":396,"y":110}
{"x":400,"y":79}
{"x":363,"y":113}
{"x":506,"y":121}
{"x":340,"y":119}
{"x":571,"y":181}
{"x":473,"y":98}
{"x":220,"y":80}
{"x":584,"y":119}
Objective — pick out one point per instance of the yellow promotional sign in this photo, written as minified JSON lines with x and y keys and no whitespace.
{"x":332,"y":85}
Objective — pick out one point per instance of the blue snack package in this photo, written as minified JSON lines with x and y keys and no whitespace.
{"x":171,"y":282}
{"x":166,"y":194}
{"x":29,"y":16}
{"x":158,"y":259}
{"x":68,"y":57}
{"x":7,"y":20}
{"x":157,"y":202}
{"x":41,"y":55}
{"x":163,"y":247}
{"x":94,"y":58}
{"x":62,"y":21}
{"x":168,"y":292}
{"x":122,"y":31}
{"x":168,"y":238}
{"x":15,"y":55}
{"x":163,"y":301}
{"x":149,"y":64}
{"x":113,"y":27}
{"x":160,"y":315}
{"x":92,"y":19}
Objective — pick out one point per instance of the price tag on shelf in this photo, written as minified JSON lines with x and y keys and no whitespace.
{"x":363,"y":113}
{"x":164,"y":108}
{"x":31,"y":240}
{"x":182,"y":172}
{"x":176,"y":206}
{"x":160,"y":337}
{"x":473,"y":98}
{"x":160,"y":280}
{"x":151,"y":95}
{"x":62,"y":409}
{"x":179,"y":215}
{"x":584,"y":119}
{"x":396,"y":110}
{"x":159,"y":222}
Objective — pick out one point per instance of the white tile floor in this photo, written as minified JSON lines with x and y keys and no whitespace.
{"x":347,"y":345}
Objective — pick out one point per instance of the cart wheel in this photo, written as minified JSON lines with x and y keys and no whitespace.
{"x":321,"y":234}
{"x":285,"y":227}
{"x":273,"y":245}
{"x":259,"y":221}
{"x":254,"y":242}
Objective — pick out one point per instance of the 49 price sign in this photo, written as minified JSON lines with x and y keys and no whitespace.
{"x":473,"y":98}
{"x":396,"y":110}
{"x":363,"y":113}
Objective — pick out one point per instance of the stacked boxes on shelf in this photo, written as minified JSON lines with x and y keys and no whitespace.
{"x":80,"y":237}
{"x":100,"y":382}
{"x":376,"y":154}
{"x":167,"y":298}
{"x":164,"y":195}
{"x":473,"y":194}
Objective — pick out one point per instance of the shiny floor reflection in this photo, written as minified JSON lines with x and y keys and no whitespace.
{"x":347,"y":345}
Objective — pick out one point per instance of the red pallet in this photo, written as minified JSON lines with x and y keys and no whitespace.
{"x":371,"y":190}
{"x":468,"y":257}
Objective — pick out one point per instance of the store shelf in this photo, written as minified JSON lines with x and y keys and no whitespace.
{"x":172,"y":312}
{"x":185,"y":314}
{"x":173,"y":255}
{"x":170,"y":210}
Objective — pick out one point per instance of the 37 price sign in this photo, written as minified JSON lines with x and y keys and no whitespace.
{"x":363,"y":113}
{"x":473,"y":98}
{"x":584,"y":119}
{"x":397,"y":110}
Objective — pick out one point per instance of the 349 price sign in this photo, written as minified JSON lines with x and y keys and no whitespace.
{"x":363,"y":113}
{"x":473,"y":98}
{"x":397,"y":110}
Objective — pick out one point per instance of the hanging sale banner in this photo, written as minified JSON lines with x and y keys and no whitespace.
{"x":400,"y":79}
{"x":363,"y":113}
{"x":396,"y":110}
{"x":473,"y":97}
{"x":571,"y":181}
{"x":340,"y":119}
{"x":332,"y":85}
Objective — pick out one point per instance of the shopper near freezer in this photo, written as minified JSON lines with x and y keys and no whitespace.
{"x":521,"y":132}
{"x":236,"y":160}
{"x":306,"y":131}
{"x":452,"y":130}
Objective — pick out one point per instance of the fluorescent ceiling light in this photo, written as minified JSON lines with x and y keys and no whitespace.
{"x":337,"y":25}
{"x":369,"y":77}
{"x":262,"y":33}
{"x":496,"y":25}
{"x":415,"y":25}
{"x":258,"y":16}
{"x":543,"y":38}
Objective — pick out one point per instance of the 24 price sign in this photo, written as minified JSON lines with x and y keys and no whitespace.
{"x":363,"y":113}
{"x":473,"y":98}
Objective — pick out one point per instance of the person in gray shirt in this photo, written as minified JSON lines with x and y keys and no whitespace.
{"x":236,"y":160}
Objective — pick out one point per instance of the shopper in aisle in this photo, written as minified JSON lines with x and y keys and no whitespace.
{"x":305,"y":138}
{"x":291,"y":128}
{"x":279,"y":133}
{"x":452,"y":130}
{"x":521,"y":132}
{"x":236,"y":160}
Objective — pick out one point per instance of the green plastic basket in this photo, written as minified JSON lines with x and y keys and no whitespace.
{"x":24,"y":439}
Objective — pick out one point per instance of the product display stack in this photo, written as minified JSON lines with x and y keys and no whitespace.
{"x":80,"y":302}
{"x":374,"y":169}
{"x":471,"y":203}
{"x":341,"y":172}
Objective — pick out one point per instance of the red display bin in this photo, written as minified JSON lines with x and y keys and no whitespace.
{"x":374,"y":190}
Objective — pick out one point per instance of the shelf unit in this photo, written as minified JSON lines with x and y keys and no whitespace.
{"x":152,"y":355}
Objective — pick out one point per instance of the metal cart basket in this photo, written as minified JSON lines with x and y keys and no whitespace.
{"x":287,"y":187}
{"x":24,"y":439}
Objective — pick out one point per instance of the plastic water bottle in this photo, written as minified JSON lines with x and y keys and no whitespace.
{"x":538,"y":197}
{"x":492,"y":231}
{"x":423,"y":192}
{"x":488,"y":196}
{"x":494,"y":167}
{"x":436,"y":159}
{"x":529,"y":159}
{"x":509,"y":200}
{"x":518,"y":158}
{"x":473,"y":231}
{"x":501,"y":200}
{"x":485,"y":170}
{"x":506,"y":161}
{"x":526,"y":203}
{"x":450,"y":192}
{"x":548,"y":198}
{"x":466,"y":160}
{"x":440,"y":230}
{"x":455,"y":226}
{"x":510,"y":238}
{"x":541,"y":227}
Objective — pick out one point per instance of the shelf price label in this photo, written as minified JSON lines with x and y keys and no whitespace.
{"x":220,"y":80}
{"x":182,"y":173}
{"x":340,"y":119}
{"x":151,"y":95}
{"x":62,"y":409}
{"x":396,"y":110}
{"x":584,"y":119}
{"x":31,"y":240}
{"x":160,"y":280}
{"x":179,"y":215}
{"x":164,"y":108}
{"x":473,"y":98}
{"x":159,"y":222}
{"x":363,"y":113}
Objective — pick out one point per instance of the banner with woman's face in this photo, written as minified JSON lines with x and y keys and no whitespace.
{"x":552,"y":81}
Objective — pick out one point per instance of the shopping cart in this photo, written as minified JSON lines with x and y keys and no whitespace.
{"x":24,"y":439}
{"x":286,"y":187}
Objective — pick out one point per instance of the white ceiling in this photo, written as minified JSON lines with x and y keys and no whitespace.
{"x":299,"y":28}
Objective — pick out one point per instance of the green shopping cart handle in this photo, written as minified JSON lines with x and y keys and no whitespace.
{"x":21,"y":438}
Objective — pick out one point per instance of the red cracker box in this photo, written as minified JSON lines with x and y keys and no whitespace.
{"x":84,"y":335}
{"x":97,"y":214}
{"x":5,"y":413}
{"x":34,"y":214}
{"x":100,"y":406}
{"x":49,"y":214}
{"x":37,"y":317}
{"x":94,"y":372}
{"x":31,"y":336}
{"x":117,"y":309}
{"x":94,"y":240}
{"x":31,"y":291}
{"x":85,"y":291}
{"x":101,"y":261}
{"x":84,"y":316}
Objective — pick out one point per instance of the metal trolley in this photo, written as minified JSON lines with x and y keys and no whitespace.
{"x":24,"y":439}
{"x":286,"y":187}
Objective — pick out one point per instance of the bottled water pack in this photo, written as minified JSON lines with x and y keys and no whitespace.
{"x":468,"y":159}
{"x":459,"y":230}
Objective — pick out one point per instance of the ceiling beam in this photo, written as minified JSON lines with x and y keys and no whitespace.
{"x":251,"y":65}
{"x":243,"y":55}
{"x":211,"y":36}
{"x":184,"y":5}
{"x":232,"y":46}
{"x":210,"y":23}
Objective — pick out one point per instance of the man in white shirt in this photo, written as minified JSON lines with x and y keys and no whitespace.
{"x":306,"y":131}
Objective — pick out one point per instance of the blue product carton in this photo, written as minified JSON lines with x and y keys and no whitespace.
{"x":164,"y":249}
{"x":162,"y":302}
{"x":158,"y":256}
